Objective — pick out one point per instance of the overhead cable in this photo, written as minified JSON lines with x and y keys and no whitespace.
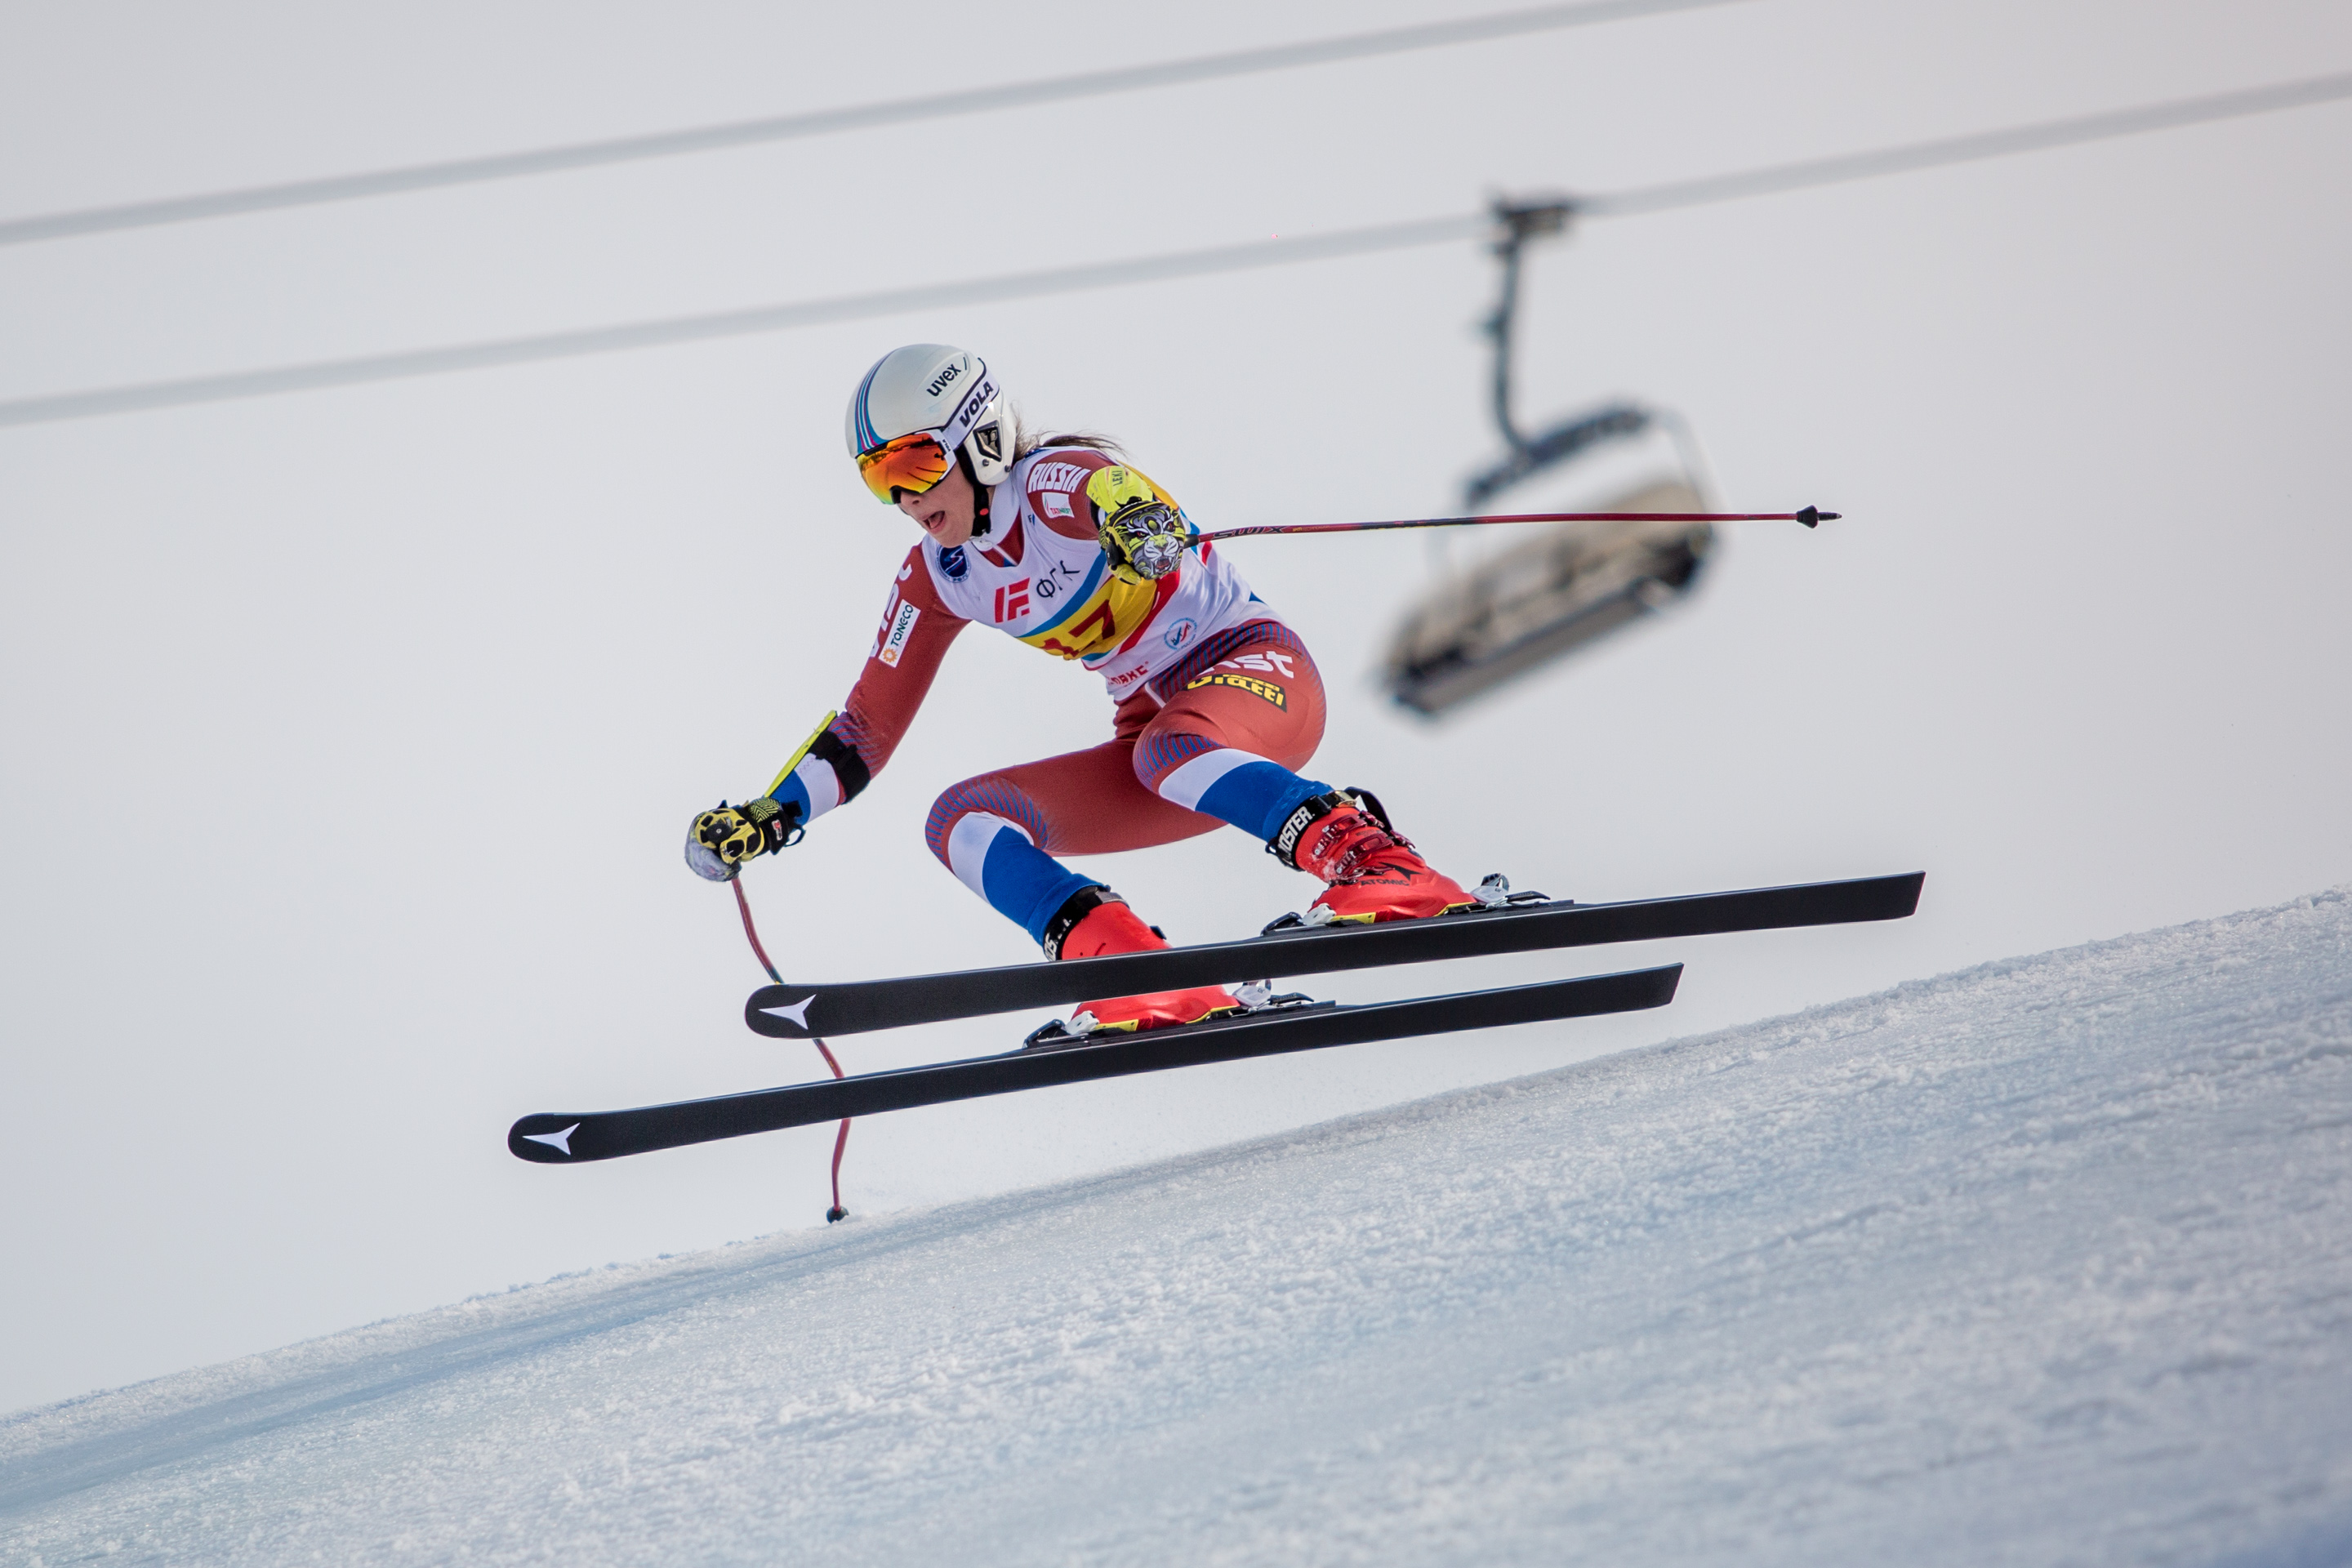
{"x":1970,"y":148}
{"x":829,"y":121}
{"x":1244,"y":256}
{"x":737,"y":323}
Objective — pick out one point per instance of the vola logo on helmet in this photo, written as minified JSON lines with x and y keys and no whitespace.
{"x":978,"y":403}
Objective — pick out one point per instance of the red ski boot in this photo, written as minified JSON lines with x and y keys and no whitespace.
{"x":1097,"y":922}
{"x":1374,"y":872}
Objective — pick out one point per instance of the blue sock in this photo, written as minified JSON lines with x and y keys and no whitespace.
{"x":1259,"y":796}
{"x":1020,"y":881}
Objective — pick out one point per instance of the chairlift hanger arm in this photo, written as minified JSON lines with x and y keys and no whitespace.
{"x":1525,"y":455}
{"x":1520,"y":221}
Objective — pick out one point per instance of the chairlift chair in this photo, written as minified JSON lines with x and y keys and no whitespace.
{"x":1539,"y":594}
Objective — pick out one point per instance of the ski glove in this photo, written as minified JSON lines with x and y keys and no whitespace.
{"x":1144,"y":537}
{"x":721,"y":840}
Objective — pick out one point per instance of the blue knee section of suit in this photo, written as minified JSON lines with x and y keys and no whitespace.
{"x":1258,"y":797}
{"x":1024,"y":884}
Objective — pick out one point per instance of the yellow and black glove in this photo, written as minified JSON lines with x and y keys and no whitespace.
{"x":721,"y":840}
{"x":1144,"y":537}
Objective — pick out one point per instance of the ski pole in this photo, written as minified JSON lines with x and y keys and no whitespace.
{"x":1811,"y":517}
{"x":840,"y":1139}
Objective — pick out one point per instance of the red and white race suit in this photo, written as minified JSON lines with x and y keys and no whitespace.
{"x":1194,"y":662}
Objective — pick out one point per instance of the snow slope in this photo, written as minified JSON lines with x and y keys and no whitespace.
{"x":2049,"y":1261}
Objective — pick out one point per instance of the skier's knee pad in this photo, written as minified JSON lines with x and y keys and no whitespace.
{"x":1158,"y":755}
{"x":991,"y":792}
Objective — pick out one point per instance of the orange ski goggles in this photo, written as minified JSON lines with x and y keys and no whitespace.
{"x":910,"y":463}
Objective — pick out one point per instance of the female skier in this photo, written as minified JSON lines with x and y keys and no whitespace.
{"x":1056,"y":542}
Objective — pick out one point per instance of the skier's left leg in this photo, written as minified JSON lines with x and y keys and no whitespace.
{"x":1238,"y":721}
{"x":1000,"y":833}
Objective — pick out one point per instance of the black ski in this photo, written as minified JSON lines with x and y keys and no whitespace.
{"x":800,"y":1012}
{"x":568,"y":1139}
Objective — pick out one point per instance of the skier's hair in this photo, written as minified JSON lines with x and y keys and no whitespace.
{"x":1024,"y":442}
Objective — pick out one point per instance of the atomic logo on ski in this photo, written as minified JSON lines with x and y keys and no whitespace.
{"x":557,"y":1140}
{"x":797,"y":1012}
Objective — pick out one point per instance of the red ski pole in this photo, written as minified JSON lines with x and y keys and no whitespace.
{"x":840,"y":1139}
{"x":743,"y":905}
{"x":1811,"y":517}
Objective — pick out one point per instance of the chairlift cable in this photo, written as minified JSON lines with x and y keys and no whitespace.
{"x":1099,"y":83}
{"x":1368,"y":240}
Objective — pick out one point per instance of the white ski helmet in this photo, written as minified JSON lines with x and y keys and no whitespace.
{"x":933,"y":391}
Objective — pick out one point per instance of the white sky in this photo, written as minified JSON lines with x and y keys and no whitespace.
{"x":349,"y":736}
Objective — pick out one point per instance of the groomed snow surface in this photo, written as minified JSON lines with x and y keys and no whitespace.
{"x":2050,"y":1261}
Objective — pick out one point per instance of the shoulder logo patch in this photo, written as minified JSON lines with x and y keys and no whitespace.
{"x":952,"y":564}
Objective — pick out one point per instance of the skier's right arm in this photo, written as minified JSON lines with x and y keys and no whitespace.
{"x":916,"y":627}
